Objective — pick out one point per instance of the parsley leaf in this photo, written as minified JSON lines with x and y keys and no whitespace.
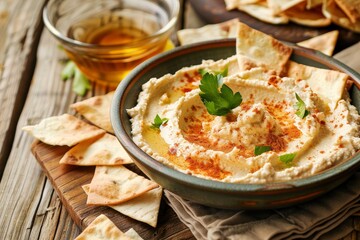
{"x":80,"y":84}
{"x":158,"y":121}
{"x":261,"y":149}
{"x":301,"y":110}
{"x":68,"y":71}
{"x":217,"y":103}
{"x":287,"y":158}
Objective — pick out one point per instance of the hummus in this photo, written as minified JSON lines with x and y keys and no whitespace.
{"x":222,"y":147}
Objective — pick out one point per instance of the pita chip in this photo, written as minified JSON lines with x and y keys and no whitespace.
{"x":328,"y":84}
{"x":313,"y":3}
{"x":102,"y":228}
{"x":279,"y":6}
{"x":324,"y":43}
{"x":233,"y":4}
{"x":112,"y":185}
{"x":144,"y":208}
{"x":255,"y":48}
{"x":131,"y":233}
{"x":351,"y":8}
{"x":307,"y":17}
{"x":96,"y":110}
{"x":263,"y":13}
{"x":333,"y":12}
{"x":105,"y":150}
{"x":63,"y":130}
{"x":209,"y":32}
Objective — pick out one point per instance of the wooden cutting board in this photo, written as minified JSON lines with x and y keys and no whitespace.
{"x":67,"y":181}
{"x":214,"y":11}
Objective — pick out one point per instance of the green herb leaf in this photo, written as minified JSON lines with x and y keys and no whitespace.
{"x":301,"y":108}
{"x":68,"y":71}
{"x":158,"y":121}
{"x":80,"y":84}
{"x":261,"y":149}
{"x":287,"y":158}
{"x":217,"y":102}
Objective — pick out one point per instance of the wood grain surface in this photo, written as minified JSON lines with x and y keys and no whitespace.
{"x":67,"y":181}
{"x":214,"y":11}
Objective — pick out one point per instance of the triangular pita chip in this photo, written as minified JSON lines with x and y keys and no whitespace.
{"x":96,"y":110}
{"x":209,"y":32}
{"x":131,"y":233}
{"x":328,"y":84}
{"x":105,"y":150}
{"x":102,"y":228}
{"x":63,"y":130}
{"x":307,"y":17}
{"x":263,"y":13}
{"x":233,"y":4}
{"x":112,"y":185}
{"x":255,"y":48}
{"x":279,"y":6}
{"x":324,"y":43}
{"x":333,"y":12}
{"x":313,"y":3}
{"x":144,"y":208}
{"x":351,"y":8}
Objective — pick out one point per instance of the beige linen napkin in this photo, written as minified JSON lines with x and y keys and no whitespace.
{"x":323,"y":218}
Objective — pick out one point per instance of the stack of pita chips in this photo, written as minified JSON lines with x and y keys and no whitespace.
{"x":313,"y":13}
{"x":324,"y":43}
{"x":113,"y":184}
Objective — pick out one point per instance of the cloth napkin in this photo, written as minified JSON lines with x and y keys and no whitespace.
{"x":323,"y":218}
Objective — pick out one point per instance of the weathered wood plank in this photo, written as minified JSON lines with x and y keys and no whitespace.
{"x":25,"y":195}
{"x":20,"y":29}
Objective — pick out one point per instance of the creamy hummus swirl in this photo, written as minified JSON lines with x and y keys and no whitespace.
{"x":222,"y":147}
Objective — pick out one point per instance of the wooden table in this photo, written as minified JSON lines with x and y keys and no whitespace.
{"x":31,"y":89}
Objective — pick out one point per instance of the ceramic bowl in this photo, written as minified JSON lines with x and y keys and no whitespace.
{"x":214,"y":193}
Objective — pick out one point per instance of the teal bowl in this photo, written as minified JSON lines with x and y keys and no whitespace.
{"x":214,"y":193}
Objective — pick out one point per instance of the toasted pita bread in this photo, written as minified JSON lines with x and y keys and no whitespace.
{"x":255,"y":48}
{"x":112,"y":185}
{"x":324,"y":43}
{"x":102,"y":228}
{"x":131,"y":233}
{"x":333,"y":12}
{"x":105,"y":150}
{"x":263,"y":13}
{"x":63,"y":130}
{"x":233,"y":4}
{"x":313,"y":3}
{"x":351,"y":8}
{"x":279,"y":6}
{"x":144,"y":208}
{"x":329,"y":85}
{"x":96,"y":110}
{"x":209,"y":32}
{"x":307,"y":17}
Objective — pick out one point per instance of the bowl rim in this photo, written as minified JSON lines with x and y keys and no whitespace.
{"x":63,"y":38}
{"x":247,"y":188}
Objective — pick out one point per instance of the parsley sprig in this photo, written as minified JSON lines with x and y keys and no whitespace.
{"x":158,"y":121}
{"x":80,"y":84}
{"x":221,"y":101}
{"x":300,"y":106}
